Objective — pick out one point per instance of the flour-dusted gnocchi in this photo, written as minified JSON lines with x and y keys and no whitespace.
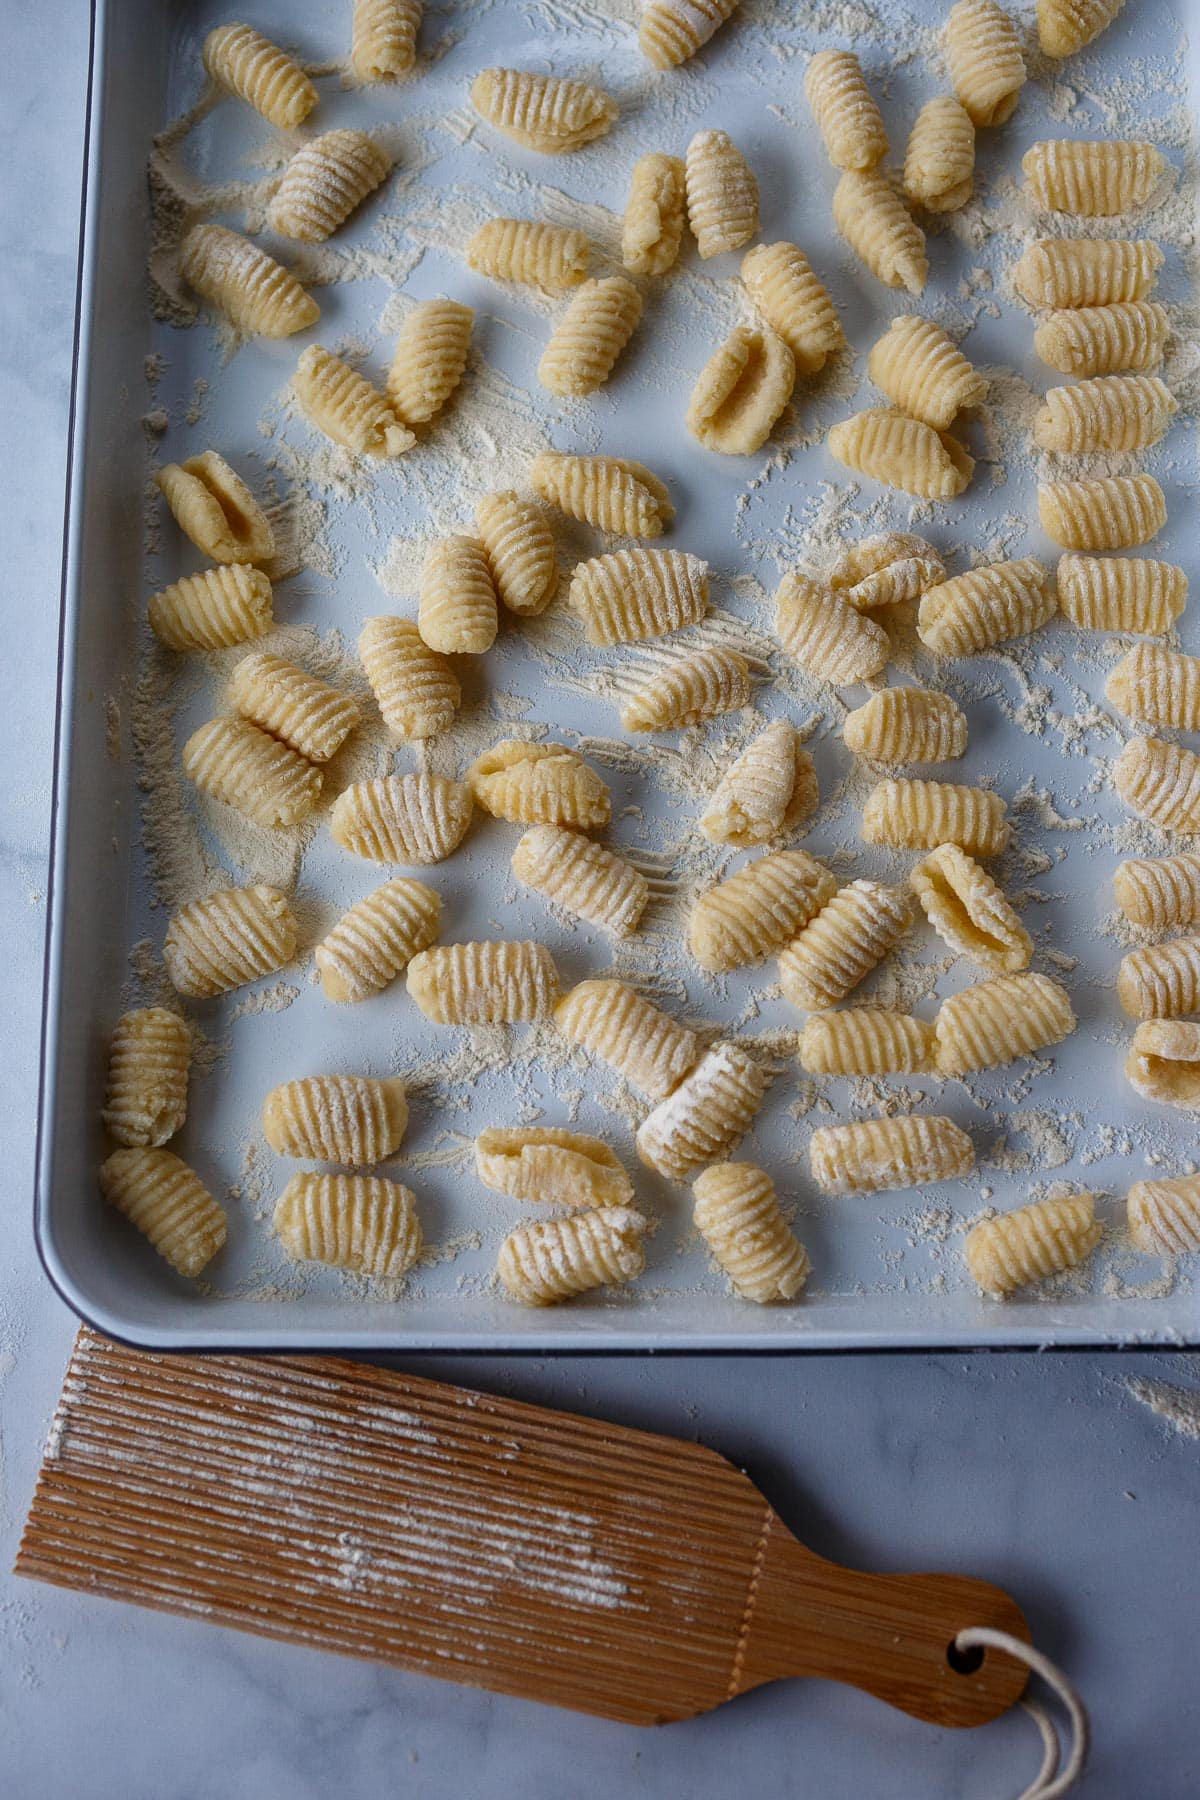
{"x":552,"y":257}
{"x":1113,"y":412}
{"x":610,"y":492}
{"x":429,"y":359}
{"x":939,"y":163}
{"x":456,"y":602}
{"x":687,"y":690}
{"x":415,"y":819}
{"x":921,"y":371}
{"x":539,"y":784}
{"x":850,"y":936}
{"x":1032,"y":1242}
{"x":795,"y":304}
{"x":590,"y":336}
{"x":1113,"y":512}
{"x":519,"y":547}
{"x":969,"y":911}
{"x":324,"y":182}
{"x":906,"y":725}
{"x":1161,"y":782}
{"x":645,"y":1046}
{"x":233,"y":761}
{"x":376,"y":939}
{"x":671,"y":31}
{"x":349,"y":1119}
{"x":149,"y":1056}
{"x":306,"y":714}
{"x":888,"y":569}
{"x":1157,"y":687}
{"x":722,"y":194}
{"x":213,"y":610}
{"x":633,"y":594}
{"x":415,"y":687}
{"x":384,"y":41}
{"x":1164,"y":1216}
{"x":740,"y":1219}
{"x":497,"y":982}
{"x":903,"y":453}
{"x":555,"y":1259}
{"x":847,"y":117}
{"x":710,"y":1111}
{"x":168,"y":1203}
{"x":1121,"y":593}
{"x":829,"y":639}
{"x":987,"y":606}
{"x":1104,"y":340}
{"x":1161,"y":981}
{"x":346,"y":407}
{"x":987,"y":67}
{"x":1158,"y":891}
{"x":543,"y":112}
{"x":357,"y":1222}
{"x":1163,"y":1063}
{"x":256,"y":293}
{"x":216,"y":509}
{"x":227,"y":939}
{"x":866,"y":1040}
{"x":582,"y":877}
{"x":249,"y":65}
{"x":1093,"y":180}
{"x":996,"y":1021}
{"x":879,"y":228}
{"x":1076,"y":272}
{"x":741,"y":391}
{"x":752,"y":914}
{"x":920,"y":815}
{"x":770,"y":788}
{"x":548,"y":1166}
{"x":876,"y":1155}
{"x":1065,"y":26}
{"x":655,"y":214}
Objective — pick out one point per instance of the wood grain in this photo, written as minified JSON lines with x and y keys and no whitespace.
{"x":532,"y":1552}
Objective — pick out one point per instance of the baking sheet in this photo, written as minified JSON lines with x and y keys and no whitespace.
{"x":887,"y":1269}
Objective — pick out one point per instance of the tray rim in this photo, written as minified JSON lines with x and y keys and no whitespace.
{"x":561,"y":1340}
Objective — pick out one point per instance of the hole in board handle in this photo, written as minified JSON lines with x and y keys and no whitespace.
{"x":964,"y":1662}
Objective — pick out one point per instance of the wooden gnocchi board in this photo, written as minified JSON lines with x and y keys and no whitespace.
{"x":482,"y":1540}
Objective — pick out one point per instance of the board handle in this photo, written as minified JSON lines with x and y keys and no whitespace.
{"x":891,"y":1635}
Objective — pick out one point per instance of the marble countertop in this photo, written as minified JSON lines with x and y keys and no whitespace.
{"x":1048,"y":1474}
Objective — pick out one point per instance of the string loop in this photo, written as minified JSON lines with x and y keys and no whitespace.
{"x":1049,"y":1783}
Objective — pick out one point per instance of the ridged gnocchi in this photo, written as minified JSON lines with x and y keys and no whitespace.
{"x":234,"y":762}
{"x":1161,"y":782}
{"x":839,"y":947}
{"x":1032,"y":1242}
{"x":902,"y":453}
{"x":415,"y":687}
{"x":349,"y":1119}
{"x":634,"y":594}
{"x":519,"y":547}
{"x":249,"y":65}
{"x":402,"y":818}
{"x":429,"y":359}
{"x":456,"y":602}
{"x":257,"y":294}
{"x":986,"y":606}
{"x":770,"y":788}
{"x":214,"y":609}
{"x":687,"y":690}
{"x":542,"y":112}
{"x":1164,"y":1215}
{"x":671,"y":31}
{"x":1093,"y":179}
{"x":655,"y":214}
{"x":874,"y":1156}
{"x":794,"y":303}
{"x":497,"y":982}
{"x":346,"y":407}
{"x":582,"y":877}
{"x":168,"y":1203}
{"x":610,"y":492}
{"x":987,"y":67}
{"x":539,"y":784}
{"x":739,"y":1217}
{"x":301,"y":711}
{"x":324,"y":182}
{"x":1111,"y":413}
{"x":866,"y":1040}
{"x":706,"y":1115}
{"x":643,"y":1044}
{"x":1157,"y":687}
{"x":906,"y":725}
{"x":1113,"y":512}
{"x":1158,"y":891}
{"x":1161,"y":981}
{"x":590,"y":336}
{"x":1121,"y":593}
{"x":969,"y":911}
{"x":1130,"y":335}
{"x":996,"y":1021}
{"x":828,"y":638}
{"x":939,"y":163}
{"x":360,"y":1223}
{"x":227,"y":939}
{"x":216,"y":509}
{"x":847,"y":117}
{"x":376,"y":939}
{"x":551,"y":257}
{"x":150,"y":1054}
{"x":1163,"y":1063}
{"x":555,"y":1259}
{"x":722,"y":194}
{"x":907,"y":814}
{"x":879,"y":228}
{"x":547,"y":1166}
{"x":922,"y":371}
{"x":1074,"y":272}
{"x":744,"y":919}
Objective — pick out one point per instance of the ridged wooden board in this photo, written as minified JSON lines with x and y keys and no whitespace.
{"x":533,"y":1552}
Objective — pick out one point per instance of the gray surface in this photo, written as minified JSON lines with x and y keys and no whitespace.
{"x":1037,"y":1472}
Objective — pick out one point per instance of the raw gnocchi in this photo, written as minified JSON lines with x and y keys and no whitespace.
{"x":555,"y":1259}
{"x":553,"y":257}
{"x":740,"y":1219}
{"x":847,"y":117}
{"x":497,"y":982}
{"x":611,"y":1020}
{"x":706,"y":1115}
{"x":741,"y":391}
{"x":655,"y":214}
{"x":770,"y":788}
{"x":357,"y":1222}
{"x":256,"y":293}
{"x":543,"y":112}
{"x":377,"y":938}
{"x":590,"y":336}
{"x":906,"y":725}
{"x":324,"y":182}
{"x":1114,"y":512}
{"x":1032,"y":1242}
{"x":456,"y":602}
{"x":634,"y":594}
{"x":923,"y":372}
{"x":213,"y":610}
{"x":902,"y":453}
{"x":519,"y":547}
{"x":168,"y":1203}
{"x":969,"y":911}
{"x":344,"y":405}
{"x":986,"y":606}
{"x":746,"y":918}
{"x":866,"y":1040}
{"x":149,"y":1056}
{"x":920,"y":815}
{"x":548,"y":1166}
{"x":687,"y":690}
{"x":216,"y":509}
{"x":582,"y":877}
{"x":610,"y":492}
{"x":996,"y":1021}
{"x":1161,"y":782}
{"x":722,"y":194}
{"x":429,"y":359}
{"x":795,"y":304}
{"x":415,"y":687}
{"x":983,"y":49}
{"x":848,"y":937}
{"x":876,"y":1155}
{"x":873,"y":219}
{"x":227,"y":939}
{"x":233,"y":761}
{"x":1121,"y":593}
{"x":1094,"y":179}
{"x":349,"y":1119}
{"x":826,"y":636}
{"x":539,"y":784}
{"x":412,"y":819}
{"x":304,"y":713}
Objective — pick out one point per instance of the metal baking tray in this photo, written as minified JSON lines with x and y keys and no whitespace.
{"x":887,"y":1269}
